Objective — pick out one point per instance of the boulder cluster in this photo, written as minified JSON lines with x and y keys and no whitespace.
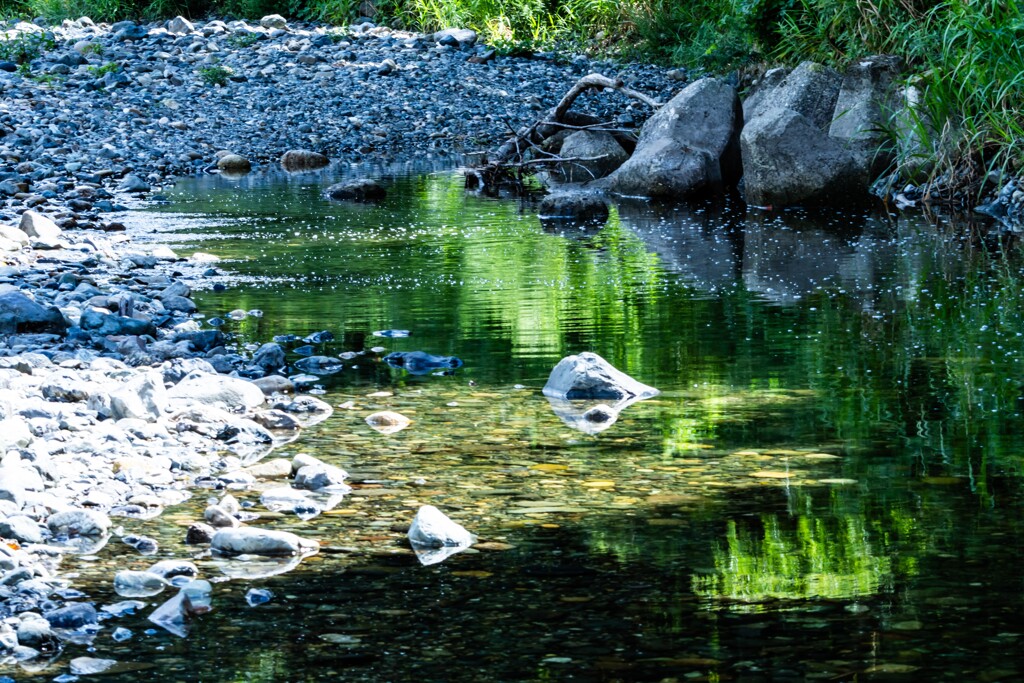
{"x":803,"y":136}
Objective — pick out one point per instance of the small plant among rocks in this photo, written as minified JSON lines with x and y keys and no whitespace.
{"x":101,"y":71}
{"x":243,"y":40}
{"x":47,"y":80}
{"x":216,"y":75}
{"x":25,"y":47}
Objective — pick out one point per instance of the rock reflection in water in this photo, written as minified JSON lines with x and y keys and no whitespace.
{"x":589,"y":417}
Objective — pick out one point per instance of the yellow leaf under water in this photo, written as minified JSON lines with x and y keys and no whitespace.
{"x":772,"y":474}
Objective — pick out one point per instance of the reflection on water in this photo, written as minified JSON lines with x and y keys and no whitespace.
{"x":828,"y":486}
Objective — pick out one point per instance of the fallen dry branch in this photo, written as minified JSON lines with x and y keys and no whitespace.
{"x":511,"y":153}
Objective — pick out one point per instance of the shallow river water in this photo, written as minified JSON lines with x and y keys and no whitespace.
{"x":829,"y":486}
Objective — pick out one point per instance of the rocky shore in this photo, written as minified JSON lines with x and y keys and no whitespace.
{"x":115,"y":401}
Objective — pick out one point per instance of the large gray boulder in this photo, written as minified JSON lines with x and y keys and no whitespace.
{"x":789,"y":160}
{"x":866,"y":101}
{"x":811,"y":89}
{"x":811,"y":135}
{"x":689,"y":147}
{"x":20,"y":314}
{"x":588,"y":376}
{"x":597,"y":155}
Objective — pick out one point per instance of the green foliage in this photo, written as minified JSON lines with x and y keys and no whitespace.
{"x":243,"y":40}
{"x":101,"y":71}
{"x":97,"y":10}
{"x":48,"y":80}
{"x":24,"y":47}
{"x":215,"y":75}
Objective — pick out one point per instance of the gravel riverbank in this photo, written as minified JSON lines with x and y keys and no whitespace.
{"x":114,"y":401}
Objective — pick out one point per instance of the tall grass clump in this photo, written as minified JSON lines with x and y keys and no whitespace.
{"x":967,"y":90}
{"x":974,"y":79}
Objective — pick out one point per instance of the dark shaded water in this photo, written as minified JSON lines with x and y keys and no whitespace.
{"x":828,"y":488}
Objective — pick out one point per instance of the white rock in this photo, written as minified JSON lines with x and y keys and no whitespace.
{"x":274,"y":21}
{"x":79,"y":523}
{"x":588,"y":376}
{"x":180,"y":26}
{"x":134,"y":584}
{"x":388,"y":422}
{"x":228,"y":392}
{"x":302,"y":459}
{"x":14,"y":433}
{"x":164,"y":253}
{"x":320,"y":476}
{"x":250,"y":541}
{"x":15,"y":235}
{"x":35,"y":224}
{"x":143,"y":398}
{"x":431,"y":528}
{"x":85,"y":666}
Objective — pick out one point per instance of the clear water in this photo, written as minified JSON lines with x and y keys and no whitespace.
{"x":829,"y":486}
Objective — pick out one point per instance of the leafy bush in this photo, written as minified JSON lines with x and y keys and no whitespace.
{"x":215,"y":75}
{"x":243,"y":40}
{"x":25,"y":47}
{"x":101,"y":71}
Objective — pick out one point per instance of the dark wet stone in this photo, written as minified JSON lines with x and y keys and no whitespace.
{"x":583,"y":207}
{"x":319,"y":337}
{"x":356,"y":191}
{"x":19,"y":313}
{"x":421,"y":363}
{"x":110,"y":324}
{"x":204,"y":340}
{"x":72,"y":616}
{"x":199,"y":534}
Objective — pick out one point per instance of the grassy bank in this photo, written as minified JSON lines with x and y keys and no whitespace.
{"x":970,"y":70}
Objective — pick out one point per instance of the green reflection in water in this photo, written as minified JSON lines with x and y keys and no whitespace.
{"x":816,"y":558}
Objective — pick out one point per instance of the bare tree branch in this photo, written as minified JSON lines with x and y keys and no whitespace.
{"x":511,"y":153}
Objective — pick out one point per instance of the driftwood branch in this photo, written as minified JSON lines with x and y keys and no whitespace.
{"x":594,"y":127}
{"x":554,"y":159}
{"x":510,"y":154}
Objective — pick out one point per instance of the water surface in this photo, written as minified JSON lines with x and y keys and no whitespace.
{"x":828,"y":487}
